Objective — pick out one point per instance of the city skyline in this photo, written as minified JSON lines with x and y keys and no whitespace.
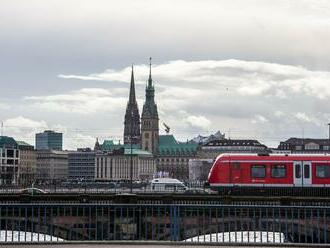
{"x":225,"y":71}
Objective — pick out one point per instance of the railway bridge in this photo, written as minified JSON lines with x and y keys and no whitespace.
{"x":166,"y":222}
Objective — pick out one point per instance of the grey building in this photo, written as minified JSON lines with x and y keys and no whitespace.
{"x":49,"y":140}
{"x":28,"y":163}
{"x":212,"y":149}
{"x":9,"y":160}
{"x":52,"y":166}
{"x":81,"y":164}
{"x":306,"y":145}
{"x":115,"y":165}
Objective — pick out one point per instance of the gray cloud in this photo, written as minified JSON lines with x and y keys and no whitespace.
{"x":231,"y":64}
{"x":266,"y":101}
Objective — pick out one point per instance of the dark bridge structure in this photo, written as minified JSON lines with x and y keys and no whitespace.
{"x":165,"y":222}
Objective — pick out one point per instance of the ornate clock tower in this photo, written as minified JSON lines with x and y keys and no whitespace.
{"x":150,"y":120}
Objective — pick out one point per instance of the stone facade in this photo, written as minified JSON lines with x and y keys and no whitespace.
{"x":115,"y":165}
{"x":52,"y":166}
{"x":173,"y":157}
{"x":27,"y":164}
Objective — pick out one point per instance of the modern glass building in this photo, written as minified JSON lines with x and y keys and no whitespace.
{"x":49,"y":140}
{"x":81,"y":164}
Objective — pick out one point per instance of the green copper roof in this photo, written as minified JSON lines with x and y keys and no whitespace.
{"x":7,"y":141}
{"x":169,"y":146}
{"x":22,"y":143}
{"x":109,"y":145}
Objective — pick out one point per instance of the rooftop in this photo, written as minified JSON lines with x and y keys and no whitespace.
{"x":109,"y":145}
{"x":22,"y":143}
{"x":169,"y":146}
{"x":234,"y":142}
{"x":7,"y":141}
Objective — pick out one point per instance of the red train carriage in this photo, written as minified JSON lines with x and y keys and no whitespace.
{"x":275,"y":174}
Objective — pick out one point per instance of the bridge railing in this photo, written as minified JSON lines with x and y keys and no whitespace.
{"x":180,"y":223}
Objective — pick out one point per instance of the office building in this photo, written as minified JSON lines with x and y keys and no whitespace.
{"x":49,"y":140}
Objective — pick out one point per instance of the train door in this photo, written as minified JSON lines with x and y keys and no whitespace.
{"x":235,"y":173}
{"x":302,"y":173}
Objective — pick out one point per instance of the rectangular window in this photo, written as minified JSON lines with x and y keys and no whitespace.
{"x":306,"y":171}
{"x":278,"y":171}
{"x":323,"y":171}
{"x":258,"y":171}
{"x":297,"y":170}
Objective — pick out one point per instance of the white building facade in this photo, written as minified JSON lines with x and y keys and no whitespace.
{"x":116,"y":166}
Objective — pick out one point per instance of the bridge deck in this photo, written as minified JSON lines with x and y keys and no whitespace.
{"x":153,"y":244}
{"x":163,"y":199}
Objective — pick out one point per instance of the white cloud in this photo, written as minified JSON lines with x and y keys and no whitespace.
{"x":248,"y":78}
{"x":259,"y":119}
{"x":198,"y":121}
{"x":83,"y":101}
{"x":22,"y":128}
{"x":279,"y":114}
{"x":247,"y":96}
{"x":303,"y":117}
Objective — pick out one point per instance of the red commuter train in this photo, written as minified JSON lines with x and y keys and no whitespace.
{"x":274,"y":174}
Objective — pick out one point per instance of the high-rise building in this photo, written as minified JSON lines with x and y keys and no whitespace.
{"x":150,"y":120}
{"x":49,"y":140}
{"x":132,"y":117}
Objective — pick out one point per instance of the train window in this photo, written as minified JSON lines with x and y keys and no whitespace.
{"x":278,"y":170}
{"x":306,"y":171}
{"x":258,"y":171}
{"x":297,"y":170}
{"x":323,"y":171}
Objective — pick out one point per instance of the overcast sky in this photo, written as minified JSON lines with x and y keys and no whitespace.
{"x":256,"y":69}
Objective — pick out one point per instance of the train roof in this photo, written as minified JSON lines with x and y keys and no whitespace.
{"x":273,"y":157}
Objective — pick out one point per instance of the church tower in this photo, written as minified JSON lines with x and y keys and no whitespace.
{"x":132,"y":117}
{"x":149,"y":120}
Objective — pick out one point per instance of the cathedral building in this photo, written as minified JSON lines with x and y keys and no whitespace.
{"x":132,"y":117}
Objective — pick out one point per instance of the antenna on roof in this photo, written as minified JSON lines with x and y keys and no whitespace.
{"x":1,"y":128}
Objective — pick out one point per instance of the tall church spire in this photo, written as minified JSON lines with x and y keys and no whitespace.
{"x":132,"y":117}
{"x":150,"y":79}
{"x":132,"y":98}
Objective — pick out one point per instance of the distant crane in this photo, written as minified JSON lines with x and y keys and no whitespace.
{"x":167,"y":128}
